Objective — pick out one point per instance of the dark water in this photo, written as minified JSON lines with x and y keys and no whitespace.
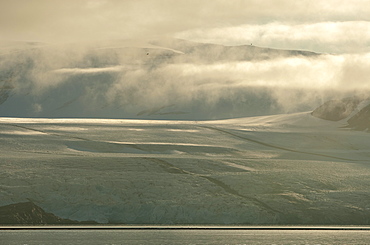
{"x":184,"y":237}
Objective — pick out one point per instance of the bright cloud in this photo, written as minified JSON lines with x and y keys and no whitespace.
{"x":326,"y":37}
{"x":89,"y":70}
{"x":323,"y":26}
{"x":344,"y":72}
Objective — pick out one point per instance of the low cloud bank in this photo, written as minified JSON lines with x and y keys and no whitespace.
{"x":177,"y":79}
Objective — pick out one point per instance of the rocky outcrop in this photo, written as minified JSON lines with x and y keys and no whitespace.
{"x":335,"y":110}
{"x":31,"y":214}
{"x":361,"y":120}
{"x":358,"y":116}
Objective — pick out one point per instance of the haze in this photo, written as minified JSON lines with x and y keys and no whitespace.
{"x":328,"y":26}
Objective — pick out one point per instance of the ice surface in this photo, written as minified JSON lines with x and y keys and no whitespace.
{"x":281,"y":169}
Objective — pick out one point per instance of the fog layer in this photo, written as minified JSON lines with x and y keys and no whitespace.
{"x":171,"y":78}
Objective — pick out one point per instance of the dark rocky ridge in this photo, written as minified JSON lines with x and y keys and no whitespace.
{"x":28,"y":213}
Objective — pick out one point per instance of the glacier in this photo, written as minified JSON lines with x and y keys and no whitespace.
{"x":279,"y":169}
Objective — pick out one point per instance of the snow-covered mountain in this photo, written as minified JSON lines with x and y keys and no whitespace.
{"x":156,"y":79}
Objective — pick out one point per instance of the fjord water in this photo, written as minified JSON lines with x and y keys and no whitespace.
{"x":186,"y":236}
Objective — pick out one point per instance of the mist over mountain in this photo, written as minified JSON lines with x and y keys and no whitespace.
{"x":157,"y":79}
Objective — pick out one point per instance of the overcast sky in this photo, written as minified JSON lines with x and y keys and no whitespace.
{"x":330,"y":26}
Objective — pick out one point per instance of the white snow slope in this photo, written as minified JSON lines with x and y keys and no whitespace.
{"x":282,"y":169}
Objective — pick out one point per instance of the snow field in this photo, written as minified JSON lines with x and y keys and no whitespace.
{"x":283,"y":169}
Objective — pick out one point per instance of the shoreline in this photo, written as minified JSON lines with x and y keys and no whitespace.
{"x":183,"y":227}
